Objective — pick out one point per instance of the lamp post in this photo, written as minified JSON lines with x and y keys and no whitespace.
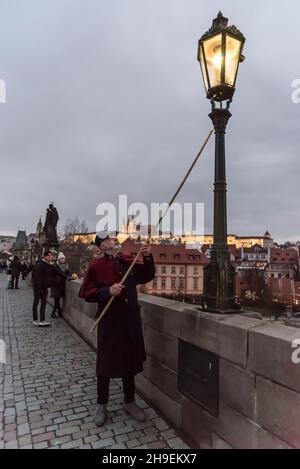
{"x":219,"y":54}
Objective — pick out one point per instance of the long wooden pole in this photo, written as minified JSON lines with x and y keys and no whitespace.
{"x":154,"y":229}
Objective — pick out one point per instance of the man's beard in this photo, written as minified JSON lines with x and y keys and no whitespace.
{"x":113,"y":251}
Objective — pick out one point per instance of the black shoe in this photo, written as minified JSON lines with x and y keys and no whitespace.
{"x":53,"y":315}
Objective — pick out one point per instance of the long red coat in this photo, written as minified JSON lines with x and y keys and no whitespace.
{"x":121,"y":350}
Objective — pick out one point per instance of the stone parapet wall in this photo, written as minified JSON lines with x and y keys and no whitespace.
{"x":259,"y":385}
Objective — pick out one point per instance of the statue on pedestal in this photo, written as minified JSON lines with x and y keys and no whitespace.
{"x":49,"y":230}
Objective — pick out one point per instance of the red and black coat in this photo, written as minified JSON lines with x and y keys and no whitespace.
{"x":121,"y":350}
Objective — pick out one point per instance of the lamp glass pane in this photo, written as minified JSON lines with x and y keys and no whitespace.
{"x":233,"y":51}
{"x":213,"y":55}
{"x":203,"y":68}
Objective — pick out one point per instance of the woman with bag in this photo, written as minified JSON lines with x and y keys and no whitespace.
{"x":58,"y":288}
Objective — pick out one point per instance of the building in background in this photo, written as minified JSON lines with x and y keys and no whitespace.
{"x":179,"y":271}
{"x":264,"y":270}
{"x":21,"y":247}
{"x":269,"y":274}
{"x":141,"y":232}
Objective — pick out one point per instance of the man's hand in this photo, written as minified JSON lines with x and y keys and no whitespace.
{"x":146,"y":250}
{"x":116,"y":289}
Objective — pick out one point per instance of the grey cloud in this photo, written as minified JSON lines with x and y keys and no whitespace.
{"x":106,"y":98}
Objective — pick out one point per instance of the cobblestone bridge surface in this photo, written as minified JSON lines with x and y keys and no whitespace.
{"x":48,"y":389}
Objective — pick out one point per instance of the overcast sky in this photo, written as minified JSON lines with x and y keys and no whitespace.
{"x":105,"y":97}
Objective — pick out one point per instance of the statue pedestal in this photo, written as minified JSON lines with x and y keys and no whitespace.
{"x":53,"y":247}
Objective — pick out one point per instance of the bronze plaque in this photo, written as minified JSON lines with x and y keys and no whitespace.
{"x":198,"y":376}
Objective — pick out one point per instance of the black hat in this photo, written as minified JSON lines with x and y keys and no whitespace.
{"x":99,"y":239}
{"x":103,"y":235}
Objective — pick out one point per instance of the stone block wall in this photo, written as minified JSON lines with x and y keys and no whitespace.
{"x":259,"y":385}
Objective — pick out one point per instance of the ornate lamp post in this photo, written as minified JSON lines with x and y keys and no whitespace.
{"x":219,"y":54}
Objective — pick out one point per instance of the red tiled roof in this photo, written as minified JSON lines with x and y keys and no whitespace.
{"x":168,"y":253}
{"x":284,"y":256}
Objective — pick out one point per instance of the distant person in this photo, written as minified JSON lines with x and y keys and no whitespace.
{"x":8,"y":272}
{"x":24,"y":268}
{"x":42,"y":276}
{"x":60,"y":275}
{"x":16,"y":268}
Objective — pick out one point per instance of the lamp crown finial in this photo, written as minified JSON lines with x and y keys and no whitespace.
{"x":220,"y":22}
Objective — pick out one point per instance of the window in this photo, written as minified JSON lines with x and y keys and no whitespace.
{"x":173,"y":283}
{"x":195,"y":270}
{"x":163,"y":270}
{"x":195,"y":283}
{"x":176,"y":256}
{"x":162,"y":256}
{"x":182,"y":270}
{"x":181,"y":283}
{"x":155,"y":283}
{"x":163,"y":283}
{"x":173,"y":270}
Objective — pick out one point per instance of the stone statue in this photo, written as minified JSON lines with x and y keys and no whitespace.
{"x":49,"y":229}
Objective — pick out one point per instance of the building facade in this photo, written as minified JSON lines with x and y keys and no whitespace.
{"x":179,"y":271}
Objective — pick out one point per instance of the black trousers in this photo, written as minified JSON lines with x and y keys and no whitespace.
{"x":57,"y":306}
{"x":39,"y":296}
{"x":15,"y":281}
{"x":103,"y":389}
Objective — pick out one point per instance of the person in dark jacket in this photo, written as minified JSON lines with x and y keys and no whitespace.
{"x":42,"y":277}
{"x":120,"y":351}
{"x":24,"y":269}
{"x":60,"y":275}
{"x":16,"y":268}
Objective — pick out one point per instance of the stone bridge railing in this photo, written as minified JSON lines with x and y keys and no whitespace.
{"x":225,"y":381}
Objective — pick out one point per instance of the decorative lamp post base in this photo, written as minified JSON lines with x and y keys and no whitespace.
{"x":219,"y":284}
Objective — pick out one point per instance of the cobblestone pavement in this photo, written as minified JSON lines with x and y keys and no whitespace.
{"x":48,"y":389}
